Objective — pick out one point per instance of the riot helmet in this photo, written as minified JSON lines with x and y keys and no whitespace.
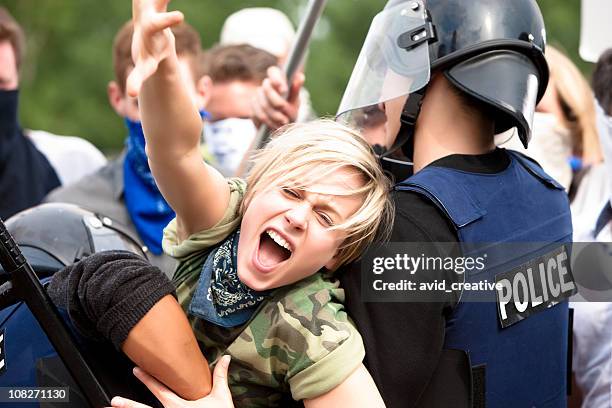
{"x":55,"y":235}
{"x":492,"y":50}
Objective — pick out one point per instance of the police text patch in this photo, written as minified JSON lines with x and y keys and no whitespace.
{"x":534,"y":286}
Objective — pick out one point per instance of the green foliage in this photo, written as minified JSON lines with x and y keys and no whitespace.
{"x":562,"y":18}
{"x":68,"y":63}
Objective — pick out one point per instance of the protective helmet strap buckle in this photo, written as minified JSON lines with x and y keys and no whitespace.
{"x":412,"y":107}
{"x":415,"y":37}
{"x":410,"y":113}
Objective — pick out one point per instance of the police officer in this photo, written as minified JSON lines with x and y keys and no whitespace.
{"x":434,"y":82}
{"x":50,"y":237}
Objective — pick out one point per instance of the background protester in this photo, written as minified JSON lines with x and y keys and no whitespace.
{"x":602,"y":85}
{"x":124,"y":189}
{"x":32,"y":163}
{"x":564,"y":122}
{"x":233,"y":74}
{"x":25,"y":173}
{"x":592,"y":362}
{"x":271,"y":30}
{"x":593,"y":194}
{"x":261,"y":27}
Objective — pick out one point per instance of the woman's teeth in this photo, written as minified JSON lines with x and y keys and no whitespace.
{"x":279,"y":240}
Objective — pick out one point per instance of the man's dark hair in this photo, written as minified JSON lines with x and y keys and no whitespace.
{"x":11,"y":31}
{"x":602,"y":81}
{"x":227,"y":63}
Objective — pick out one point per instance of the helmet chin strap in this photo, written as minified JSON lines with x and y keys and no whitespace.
{"x":405,"y":135}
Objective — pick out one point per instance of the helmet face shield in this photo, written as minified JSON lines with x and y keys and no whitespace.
{"x":384,"y":70}
{"x":378,"y":123}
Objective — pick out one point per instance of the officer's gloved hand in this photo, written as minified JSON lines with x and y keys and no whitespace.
{"x":275,"y":104}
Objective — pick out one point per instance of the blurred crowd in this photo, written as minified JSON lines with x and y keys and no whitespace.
{"x":231,"y":84}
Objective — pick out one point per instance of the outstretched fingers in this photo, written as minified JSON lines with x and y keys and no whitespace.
{"x":140,"y":7}
{"x":150,"y":44}
{"x":143,"y":69}
{"x":160,"y":21}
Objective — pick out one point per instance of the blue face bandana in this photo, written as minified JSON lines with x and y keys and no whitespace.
{"x":148,"y":209}
{"x":220,"y":297}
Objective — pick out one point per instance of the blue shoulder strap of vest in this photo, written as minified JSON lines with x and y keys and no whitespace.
{"x":440,"y":185}
{"x":535,"y":169}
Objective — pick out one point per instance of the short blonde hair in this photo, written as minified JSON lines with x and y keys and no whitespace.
{"x":300,"y":154}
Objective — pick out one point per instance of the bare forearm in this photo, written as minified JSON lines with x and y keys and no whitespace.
{"x":163,"y":344}
{"x":171,"y":122}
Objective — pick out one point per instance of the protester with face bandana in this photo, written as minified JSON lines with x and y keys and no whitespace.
{"x":34,"y":161}
{"x":25,"y":173}
{"x":124,"y":190}
{"x":233,"y":75}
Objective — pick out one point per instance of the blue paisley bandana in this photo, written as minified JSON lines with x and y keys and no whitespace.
{"x":220,"y":297}
{"x":148,"y":209}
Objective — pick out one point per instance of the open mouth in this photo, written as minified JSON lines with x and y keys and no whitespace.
{"x":273,"y":249}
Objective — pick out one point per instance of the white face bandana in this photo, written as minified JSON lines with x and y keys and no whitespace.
{"x":228,"y":140}
{"x":604,"y":127}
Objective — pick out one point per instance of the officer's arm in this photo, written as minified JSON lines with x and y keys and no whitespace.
{"x":358,"y":390}
{"x":403,"y":340}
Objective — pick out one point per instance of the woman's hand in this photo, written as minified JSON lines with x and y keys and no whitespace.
{"x":220,"y":396}
{"x":153,"y":40}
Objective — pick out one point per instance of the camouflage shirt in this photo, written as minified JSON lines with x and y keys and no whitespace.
{"x":298,"y":345}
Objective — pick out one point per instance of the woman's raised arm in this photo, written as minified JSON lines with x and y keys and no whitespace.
{"x":172,"y":125}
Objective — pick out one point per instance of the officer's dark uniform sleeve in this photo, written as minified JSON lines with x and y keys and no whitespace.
{"x":403,"y":341}
{"x":106,"y":294}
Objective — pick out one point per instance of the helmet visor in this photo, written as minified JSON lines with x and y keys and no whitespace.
{"x":384,"y":70}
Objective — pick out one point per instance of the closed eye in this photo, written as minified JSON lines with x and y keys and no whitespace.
{"x":290,"y":192}
{"x":326,"y":219}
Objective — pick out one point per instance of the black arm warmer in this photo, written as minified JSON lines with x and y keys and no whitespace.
{"x":107,"y":293}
